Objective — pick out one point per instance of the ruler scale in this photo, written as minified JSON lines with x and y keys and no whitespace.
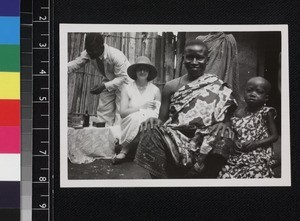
{"x":41,"y":188}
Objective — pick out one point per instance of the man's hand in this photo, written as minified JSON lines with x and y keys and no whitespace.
{"x":224,"y":129}
{"x":97,"y":89}
{"x":150,"y":123}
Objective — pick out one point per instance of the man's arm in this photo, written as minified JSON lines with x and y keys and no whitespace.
{"x":224,"y":128}
{"x":121,"y":64}
{"x":165,"y":103}
{"x":78,"y":62}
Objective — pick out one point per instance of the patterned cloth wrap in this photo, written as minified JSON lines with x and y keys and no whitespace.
{"x":257,"y":163}
{"x":194,"y":108}
{"x":223,"y":59}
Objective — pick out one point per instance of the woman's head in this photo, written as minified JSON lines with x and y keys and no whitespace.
{"x":142,"y":72}
{"x":257,"y":91}
{"x":142,"y":69}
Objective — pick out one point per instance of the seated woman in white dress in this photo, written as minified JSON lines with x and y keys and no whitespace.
{"x":140,"y":100}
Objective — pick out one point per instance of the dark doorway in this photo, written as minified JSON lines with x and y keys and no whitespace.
{"x":271,"y":44}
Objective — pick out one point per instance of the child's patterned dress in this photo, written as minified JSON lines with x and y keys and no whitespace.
{"x":256,"y":163}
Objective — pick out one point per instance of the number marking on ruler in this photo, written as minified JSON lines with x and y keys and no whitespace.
{"x":41,"y":188}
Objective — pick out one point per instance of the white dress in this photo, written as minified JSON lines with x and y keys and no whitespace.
{"x":130,"y":124}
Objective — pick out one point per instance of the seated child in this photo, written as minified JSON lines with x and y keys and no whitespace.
{"x":255,"y":132}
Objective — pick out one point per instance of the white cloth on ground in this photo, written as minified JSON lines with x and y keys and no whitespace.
{"x":90,"y":143}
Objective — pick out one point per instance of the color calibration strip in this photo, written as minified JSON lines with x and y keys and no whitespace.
{"x":26,"y":110}
{"x":10,"y":127}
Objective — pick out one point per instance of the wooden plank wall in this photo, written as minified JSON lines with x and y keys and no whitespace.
{"x":161,"y":49}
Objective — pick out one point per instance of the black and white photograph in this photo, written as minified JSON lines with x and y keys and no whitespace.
{"x":174,"y":105}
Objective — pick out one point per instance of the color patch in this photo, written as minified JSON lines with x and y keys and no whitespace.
{"x":10,"y":214}
{"x":10,"y":8}
{"x":9,"y":194}
{"x":10,"y":129}
{"x":10,"y":139}
{"x":9,"y":85}
{"x":10,"y":30}
{"x":10,"y":57}
{"x":10,"y":167}
{"x":10,"y":112}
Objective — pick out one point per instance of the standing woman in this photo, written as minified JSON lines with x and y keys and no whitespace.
{"x":140,"y":100}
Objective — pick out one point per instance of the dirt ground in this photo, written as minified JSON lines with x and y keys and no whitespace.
{"x":103,"y":169}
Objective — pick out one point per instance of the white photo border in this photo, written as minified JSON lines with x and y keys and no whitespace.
{"x":285,"y":179}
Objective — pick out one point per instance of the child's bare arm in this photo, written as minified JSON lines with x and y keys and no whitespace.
{"x":273,"y":132}
{"x":267,"y":141}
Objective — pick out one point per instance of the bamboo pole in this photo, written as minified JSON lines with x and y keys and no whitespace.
{"x":180,"y":43}
{"x":169,"y":57}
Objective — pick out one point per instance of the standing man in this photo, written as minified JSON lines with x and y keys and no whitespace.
{"x":194,"y":109}
{"x":112,"y":64}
